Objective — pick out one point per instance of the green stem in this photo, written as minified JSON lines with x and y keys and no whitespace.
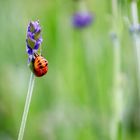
{"x":26,"y":108}
{"x":118,"y":94}
{"x":117,"y":89}
{"x":134,"y":12}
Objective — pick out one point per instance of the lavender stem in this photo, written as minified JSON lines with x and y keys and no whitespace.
{"x":26,"y":108}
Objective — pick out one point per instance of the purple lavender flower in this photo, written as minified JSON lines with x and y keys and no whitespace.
{"x":134,"y":28}
{"x":82,"y":19}
{"x":33,"y":39}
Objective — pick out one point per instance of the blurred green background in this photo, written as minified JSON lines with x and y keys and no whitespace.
{"x":75,"y":100}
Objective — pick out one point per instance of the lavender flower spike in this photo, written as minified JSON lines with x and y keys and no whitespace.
{"x":82,"y":19}
{"x":33,"y":39}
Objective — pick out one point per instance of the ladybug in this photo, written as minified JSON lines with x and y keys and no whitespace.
{"x":40,"y":65}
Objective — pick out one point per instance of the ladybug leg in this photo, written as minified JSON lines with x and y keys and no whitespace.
{"x":36,"y":54}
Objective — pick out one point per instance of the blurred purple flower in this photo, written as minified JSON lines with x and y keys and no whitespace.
{"x":134,"y":28}
{"x":82,"y":19}
{"x":33,"y":39}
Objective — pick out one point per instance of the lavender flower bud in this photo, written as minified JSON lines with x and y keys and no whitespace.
{"x":33,"y":39}
{"x":134,"y":28}
{"x":82,"y":19}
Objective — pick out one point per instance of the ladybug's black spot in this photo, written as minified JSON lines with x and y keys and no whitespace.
{"x":41,"y":67}
{"x":46,"y":64}
{"x":40,"y":64}
{"x":38,"y":61}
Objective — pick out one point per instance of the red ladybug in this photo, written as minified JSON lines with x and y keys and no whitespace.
{"x":40,"y":65}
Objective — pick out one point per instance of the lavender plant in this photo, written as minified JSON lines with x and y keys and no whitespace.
{"x":33,"y":43}
{"x":135,"y":28}
{"x":82,"y":17}
{"x":117,"y":87}
{"x":34,"y":39}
